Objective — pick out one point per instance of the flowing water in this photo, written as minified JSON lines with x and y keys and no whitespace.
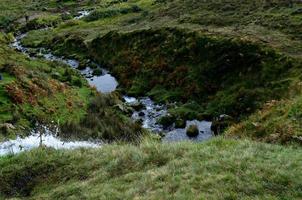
{"x":105,"y":83}
{"x":44,"y":137}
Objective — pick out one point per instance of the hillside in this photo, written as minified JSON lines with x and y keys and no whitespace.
{"x":231,"y":59}
{"x":218,"y":169}
{"x":126,"y":74}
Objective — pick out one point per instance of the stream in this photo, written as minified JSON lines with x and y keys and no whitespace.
{"x":104,"y":83}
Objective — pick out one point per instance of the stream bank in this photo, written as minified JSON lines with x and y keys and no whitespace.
{"x":148,"y":115}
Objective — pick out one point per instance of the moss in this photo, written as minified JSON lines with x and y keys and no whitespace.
{"x":192,"y":131}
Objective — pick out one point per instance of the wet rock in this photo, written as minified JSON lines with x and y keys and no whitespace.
{"x":125,"y":109}
{"x":141,"y":114}
{"x":192,"y":131}
{"x":180,"y":123}
{"x":81,"y":66}
{"x":97,"y":72}
{"x":220,"y":123}
{"x":137,"y":106}
{"x":166,"y":121}
{"x":6,"y":128}
{"x":93,"y":65}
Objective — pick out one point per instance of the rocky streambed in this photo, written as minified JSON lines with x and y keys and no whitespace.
{"x":146,"y":111}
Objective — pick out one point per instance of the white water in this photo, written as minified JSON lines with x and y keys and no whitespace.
{"x":82,"y":14}
{"x":48,"y":139}
{"x":153,"y":112}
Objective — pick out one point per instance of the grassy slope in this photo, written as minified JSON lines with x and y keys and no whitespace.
{"x":35,"y":90}
{"x":276,"y":25}
{"x":217,"y":169}
{"x":29,"y":92}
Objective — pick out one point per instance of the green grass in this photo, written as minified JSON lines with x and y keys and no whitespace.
{"x":211,"y":57}
{"x":217,"y":169}
{"x":278,"y":121}
{"x":35,"y":90}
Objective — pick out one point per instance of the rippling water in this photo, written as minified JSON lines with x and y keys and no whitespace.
{"x":35,"y":140}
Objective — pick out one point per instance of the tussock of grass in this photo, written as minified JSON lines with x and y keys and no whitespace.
{"x":217,"y":169}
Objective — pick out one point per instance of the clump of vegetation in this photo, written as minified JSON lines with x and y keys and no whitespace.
{"x":103,"y":122}
{"x":192,"y":131}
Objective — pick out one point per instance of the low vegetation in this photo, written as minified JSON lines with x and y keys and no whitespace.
{"x":217,"y":169}
{"x":231,"y":59}
{"x":37,"y":91}
{"x":235,"y":62}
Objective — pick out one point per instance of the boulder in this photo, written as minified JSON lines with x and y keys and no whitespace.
{"x":141,"y":114}
{"x":6,"y":128}
{"x":167,"y":120}
{"x":220,"y":123}
{"x":137,"y":106}
{"x":192,"y":131}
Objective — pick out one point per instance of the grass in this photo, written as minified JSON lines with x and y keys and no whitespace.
{"x":29,"y":93}
{"x":211,"y":57}
{"x":217,"y":169}
{"x":195,"y":47}
{"x":278,"y":121}
{"x":35,"y":90}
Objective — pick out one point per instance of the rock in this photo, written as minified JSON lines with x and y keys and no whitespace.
{"x":125,"y":109}
{"x":9,"y":126}
{"x":166,"y":121}
{"x":180,"y":123}
{"x":297,"y":12}
{"x":220,"y":123}
{"x":97,"y":72}
{"x":192,"y":131}
{"x":81,"y":66}
{"x":141,"y":114}
{"x":6,"y":128}
{"x":137,"y":106}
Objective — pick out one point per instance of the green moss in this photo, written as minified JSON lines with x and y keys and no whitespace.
{"x":192,"y":131}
